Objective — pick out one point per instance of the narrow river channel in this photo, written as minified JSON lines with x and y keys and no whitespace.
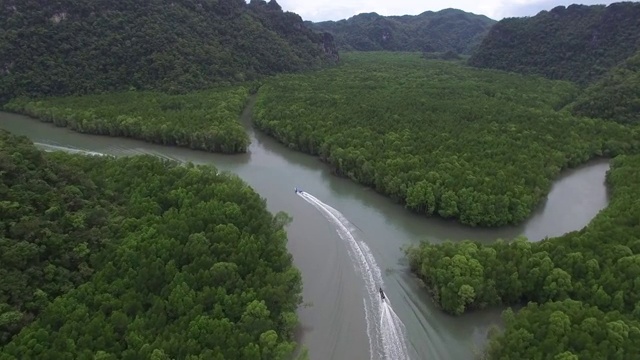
{"x":338,"y":270}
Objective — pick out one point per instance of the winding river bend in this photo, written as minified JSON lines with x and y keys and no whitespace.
{"x":346,"y":241}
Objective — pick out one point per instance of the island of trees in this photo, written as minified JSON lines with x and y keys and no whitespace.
{"x":138,"y":258}
{"x":204,"y":120}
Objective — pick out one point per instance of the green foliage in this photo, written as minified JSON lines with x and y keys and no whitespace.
{"x":616,"y":96}
{"x":206,"y":120}
{"x":578,"y":43}
{"x":566,"y":330}
{"x":441,"y":31}
{"x":599,"y":266}
{"x":194,"y":266}
{"x":448,"y":55}
{"x":480,"y":146}
{"x":76,"y":47}
{"x":52,"y":219}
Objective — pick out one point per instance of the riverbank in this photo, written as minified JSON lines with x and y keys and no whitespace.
{"x":186,"y":265}
{"x":490,"y":155}
{"x":481,"y":147}
{"x":204,"y":120}
{"x":571,"y":275}
{"x":334,"y":325}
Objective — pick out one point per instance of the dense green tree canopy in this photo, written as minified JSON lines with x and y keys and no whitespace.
{"x":52,"y":219}
{"x":598,"y":266}
{"x":566,"y":330}
{"x":578,"y":43}
{"x":440,"y":31}
{"x":205,"y":120}
{"x":477,"y":145}
{"x":83,"y":46}
{"x":616,"y":96}
{"x":138,"y":258}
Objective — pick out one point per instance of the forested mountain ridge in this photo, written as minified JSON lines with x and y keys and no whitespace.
{"x":577,"y":43}
{"x":614,"y":97}
{"x":441,"y":31}
{"x":74,"y":47}
{"x":138,"y":258}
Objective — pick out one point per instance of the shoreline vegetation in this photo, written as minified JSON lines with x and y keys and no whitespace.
{"x":390,"y":121}
{"x":581,"y":286}
{"x":204,"y":120}
{"x":138,"y":257}
{"x":479,"y":146}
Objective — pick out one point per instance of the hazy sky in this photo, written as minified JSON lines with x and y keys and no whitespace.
{"x":320,"y":10}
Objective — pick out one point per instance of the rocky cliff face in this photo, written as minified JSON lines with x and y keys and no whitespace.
{"x":286,"y":22}
{"x":329,"y":47}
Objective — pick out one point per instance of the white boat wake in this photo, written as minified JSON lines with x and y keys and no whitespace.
{"x":51,"y":148}
{"x":385,"y":330}
{"x":112,"y":151}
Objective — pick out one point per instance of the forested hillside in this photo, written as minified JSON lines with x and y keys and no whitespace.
{"x":68,"y":46}
{"x":586,"y":281}
{"x":138,"y":258}
{"x":476,"y":145}
{"x":445,"y":30}
{"x":577,"y":43}
{"x":614,"y":97}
